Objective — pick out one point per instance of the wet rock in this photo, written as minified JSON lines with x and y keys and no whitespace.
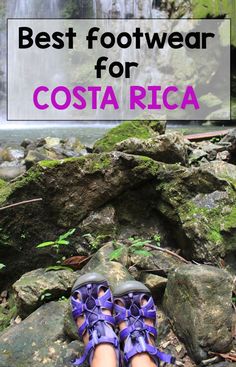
{"x":73,"y":144}
{"x":33,"y":288}
{"x":12,"y":154}
{"x":26,"y":142}
{"x":39,"y":340}
{"x":129,"y":129}
{"x":169,"y":148}
{"x":52,"y":142}
{"x":34,"y":156}
{"x":11,"y":170}
{"x":198,"y":302}
{"x":102,"y":222}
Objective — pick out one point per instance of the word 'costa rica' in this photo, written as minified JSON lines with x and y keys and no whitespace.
{"x":96,"y":97}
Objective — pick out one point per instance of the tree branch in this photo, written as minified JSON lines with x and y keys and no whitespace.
{"x":21,"y":203}
{"x":168,"y":252}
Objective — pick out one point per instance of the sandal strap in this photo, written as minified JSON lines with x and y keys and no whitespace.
{"x":98,"y":324}
{"x":89,"y":350}
{"x":130,"y":329}
{"x":143,"y":347}
{"x":135,"y":336}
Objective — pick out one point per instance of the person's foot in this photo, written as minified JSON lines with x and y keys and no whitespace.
{"x":136,"y":319}
{"x":92,"y":307}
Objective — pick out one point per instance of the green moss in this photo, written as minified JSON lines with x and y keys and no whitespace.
{"x":7,"y":313}
{"x":2,"y":183}
{"x":215,"y":236}
{"x":128,"y":129}
{"x":214,"y":222}
{"x":98,"y":163}
{"x":57,"y":162}
{"x":230,"y":219}
{"x":5,"y":191}
{"x":147,"y":165}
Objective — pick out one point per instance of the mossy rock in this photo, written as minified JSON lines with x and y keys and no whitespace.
{"x":129,"y":129}
{"x":200,"y":204}
{"x":70,"y":190}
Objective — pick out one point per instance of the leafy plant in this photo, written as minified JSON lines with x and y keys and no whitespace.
{"x":134,"y":246}
{"x":94,"y":242}
{"x":2,"y":266}
{"x":157,"y":240}
{"x":58,"y":243}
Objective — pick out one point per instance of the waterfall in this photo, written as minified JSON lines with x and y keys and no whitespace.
{"x":128,"y":9}
{"x":33,"y":8}
{"x":21,"y":9}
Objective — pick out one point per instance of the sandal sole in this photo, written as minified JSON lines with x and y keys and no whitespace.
{"x":131,"y":286}
{"x":95,"y":278}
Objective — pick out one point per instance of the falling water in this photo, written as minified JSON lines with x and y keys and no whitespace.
{"x":128,"y":9}
{"x":33,"y":8}
{"x":22,"y":9}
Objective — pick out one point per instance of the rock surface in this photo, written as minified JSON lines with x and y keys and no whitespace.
{"x":169,"y":148}
{"x":198,"y":302}
{"x":39,"y":340}
{"x":32,"y":288}
{"x":129,"y":129}
{"x":71,"y":190}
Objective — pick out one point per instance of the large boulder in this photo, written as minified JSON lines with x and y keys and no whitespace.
{"x":169,"y":148}
{"x":129,"y":129}
{"x":38,"y":286}
{"x":39,"y":340}
{"x":198,"y":303}
{"x":70,"y":190}
{"x":200,"y":205}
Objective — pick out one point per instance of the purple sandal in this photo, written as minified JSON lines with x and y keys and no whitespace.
{"x":100,"y":326}
{"x":135,"y":337}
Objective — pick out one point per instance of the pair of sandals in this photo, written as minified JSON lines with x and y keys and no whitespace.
{"x":135,"y":337}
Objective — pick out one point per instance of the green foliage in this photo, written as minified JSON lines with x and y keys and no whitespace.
{"x":58,"y":243}
{"x":2,"y":266}
{"x":94,"y":242}
{"x":117,"y":253}
{"x":134,"y":246}
{"x":215,"y":139}
{"x":157,"y":240}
